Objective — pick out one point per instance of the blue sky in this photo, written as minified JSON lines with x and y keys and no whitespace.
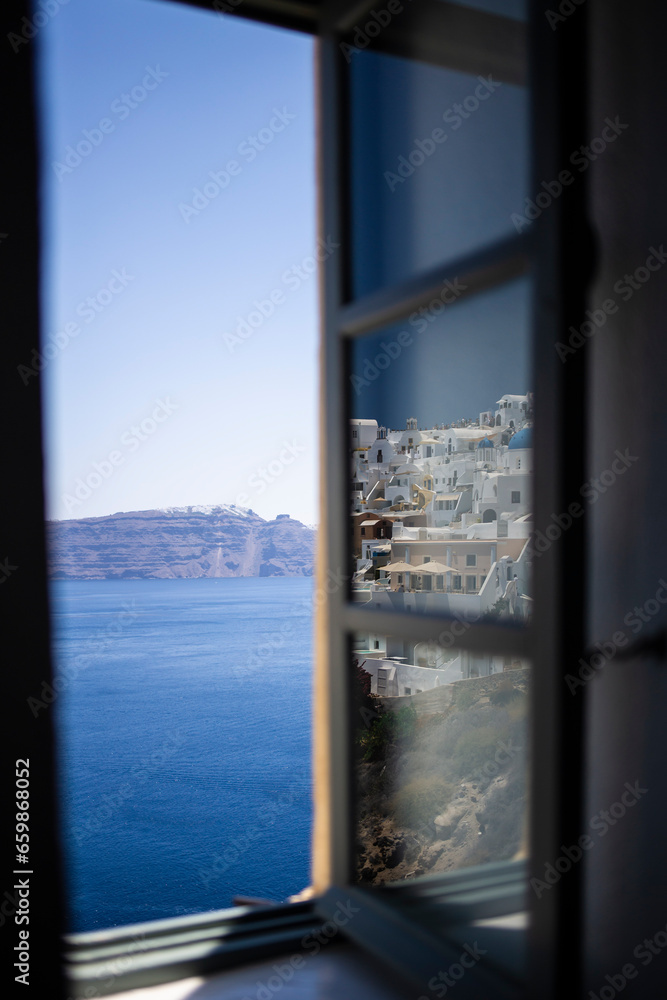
{"x":454,"y":364}
{"x":153,"y":397}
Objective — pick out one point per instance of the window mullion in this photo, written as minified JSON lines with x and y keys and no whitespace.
{"x":451,"y":35}
{"x":503,"y":261}
{"x":299,"y":15}
{"x":472,"y":636}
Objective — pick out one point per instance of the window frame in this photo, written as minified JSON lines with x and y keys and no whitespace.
{"x":561,"y":260}
{"x":558,"y":125}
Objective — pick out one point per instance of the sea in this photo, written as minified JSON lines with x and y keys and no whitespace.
{"x":183,"y":727}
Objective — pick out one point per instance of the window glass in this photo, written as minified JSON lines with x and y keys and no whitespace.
{"x":454,"y":377}
{"x":438,"y":165}
{"x":442,"y":763}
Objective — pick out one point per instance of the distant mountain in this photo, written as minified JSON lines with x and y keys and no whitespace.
{"x":179,"y":543}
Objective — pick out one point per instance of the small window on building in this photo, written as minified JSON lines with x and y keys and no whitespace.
{"x":471,"y":583}
{"x":471,"y":559}
{"x":456,"y":583}
{"x":407,"y":691}
{"x":516,"y":496}
{"x":376,"y":644}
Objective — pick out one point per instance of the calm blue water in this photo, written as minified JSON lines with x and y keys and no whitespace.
{"x":184,"y":738}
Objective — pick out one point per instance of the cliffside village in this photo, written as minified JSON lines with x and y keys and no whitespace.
{"x":441,"y":519}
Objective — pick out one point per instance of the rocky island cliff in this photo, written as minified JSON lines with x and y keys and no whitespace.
{"x":179,"y":543}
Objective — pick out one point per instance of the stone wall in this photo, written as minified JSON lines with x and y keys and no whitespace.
{"x":439,"y":699}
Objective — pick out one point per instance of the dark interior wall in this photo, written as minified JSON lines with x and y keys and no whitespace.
{"x":627,"y":869}
{"x":23,"y":609}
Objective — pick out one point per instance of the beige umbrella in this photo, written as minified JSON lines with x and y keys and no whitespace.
{"x":433,"y":567}
{"x":398,"y":567}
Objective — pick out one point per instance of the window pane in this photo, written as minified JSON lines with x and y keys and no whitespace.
{"x":438,"y":165}
{"x":441,"y":741}
{"x":442,"y":460}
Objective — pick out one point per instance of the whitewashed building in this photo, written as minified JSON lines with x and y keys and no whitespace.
{"x":512,"y":410}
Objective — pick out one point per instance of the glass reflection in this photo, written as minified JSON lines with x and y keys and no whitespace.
{"x":441,"y":448}
{"x":438,"y":165}
{"x":442,"y":757}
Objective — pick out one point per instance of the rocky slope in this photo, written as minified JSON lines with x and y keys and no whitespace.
{"x":447,"y":790}
{"x":179,"y":543}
